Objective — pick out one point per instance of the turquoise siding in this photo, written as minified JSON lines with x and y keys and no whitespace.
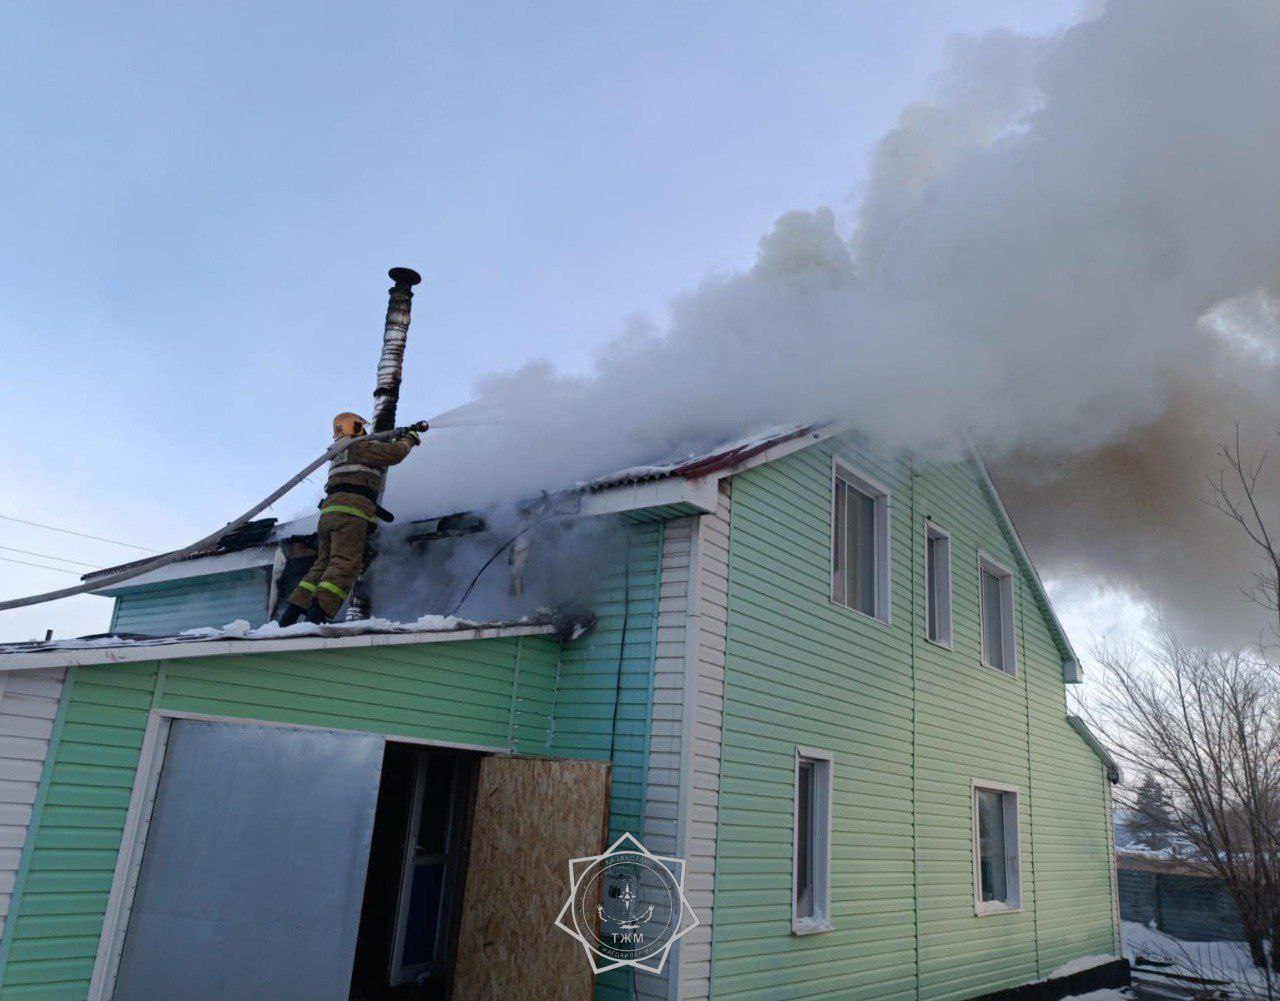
{"x":214,"y":600}
{"x":911,"y":724}
{"x":613,"y":666}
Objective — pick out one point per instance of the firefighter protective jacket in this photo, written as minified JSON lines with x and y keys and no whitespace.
{"x":361,"y":469}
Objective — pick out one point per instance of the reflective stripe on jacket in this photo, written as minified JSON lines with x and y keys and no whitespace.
{"x":363,"y":465}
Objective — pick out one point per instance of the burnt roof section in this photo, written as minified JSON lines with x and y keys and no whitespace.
{"x":722,"y":457}
{"x":251,"y":536}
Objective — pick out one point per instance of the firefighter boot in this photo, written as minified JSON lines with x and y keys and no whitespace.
{"x":317,"y":614}
{"x":290,"y":614}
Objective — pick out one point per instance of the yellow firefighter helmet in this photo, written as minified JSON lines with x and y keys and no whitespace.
{"x":348,"y":425}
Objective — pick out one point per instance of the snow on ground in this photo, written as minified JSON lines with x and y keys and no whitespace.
{"x":1108,"y":994}
{"x":1079,"y":966}
{"x":1227,"y":961}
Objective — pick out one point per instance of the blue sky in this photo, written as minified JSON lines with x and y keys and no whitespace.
{"x":203,"y":201}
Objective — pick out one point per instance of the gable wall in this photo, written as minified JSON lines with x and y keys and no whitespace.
{"x":910,"y":724}
{"x":190,"y":603}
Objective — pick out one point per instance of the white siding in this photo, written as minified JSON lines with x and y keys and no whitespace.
{"x":28,"y":704}
{"x":684,"y":752}
{"x":708,"y":621}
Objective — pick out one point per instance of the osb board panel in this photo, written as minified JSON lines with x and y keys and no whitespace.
{"x":532,"y":815}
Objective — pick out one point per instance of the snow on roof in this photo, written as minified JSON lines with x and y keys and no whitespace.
{"x":239,"y":638}
{"x":702,"y":463}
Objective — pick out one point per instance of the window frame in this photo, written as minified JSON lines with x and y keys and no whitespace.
{"x":882,"y":568}
{"x":1009,"y":640}
{"x":820,"y":851}
{"x":1012,"y":834}
{"x":946,"y":638}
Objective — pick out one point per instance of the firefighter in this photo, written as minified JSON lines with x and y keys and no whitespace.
{"x":348,"y":513}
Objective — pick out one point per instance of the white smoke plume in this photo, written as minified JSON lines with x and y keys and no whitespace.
{"x":1070,"y":252}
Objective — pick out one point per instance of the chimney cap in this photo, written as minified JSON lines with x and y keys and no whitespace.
{"x":404,"y":276}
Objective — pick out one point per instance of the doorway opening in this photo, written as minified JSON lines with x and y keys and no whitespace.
{"x":409,"y":917}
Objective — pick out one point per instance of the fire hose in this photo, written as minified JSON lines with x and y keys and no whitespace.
{"x":128,"y":573}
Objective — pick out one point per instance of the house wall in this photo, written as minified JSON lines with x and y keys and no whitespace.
{"x":495,"y":693}
{"x":526,"y":695}
{"x":605,"y":686}
{"x":213,"y":600}
{"x":684,"y":758}
{"x":910,"y":725}
{"x":700,"y":794}
{"x":660,"y":833}
{"x":605,"y":694}
{"x":28,"y":707}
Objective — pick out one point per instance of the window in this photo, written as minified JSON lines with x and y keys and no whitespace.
{"x":811,"y":861}
{"x":996,"y":881}
{"x":937,"y":575}
{"x":860,"y":544}
{"x":995,"y":589}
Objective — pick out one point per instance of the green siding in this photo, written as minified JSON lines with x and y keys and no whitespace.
{"x":193,"y":602}
{"x":499,"y":693}
{"x":490,"y":692}
{"x":613,"y":665}
{"x":911,"y":724}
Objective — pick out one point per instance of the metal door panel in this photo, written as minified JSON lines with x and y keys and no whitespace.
{"x":254,"y":865}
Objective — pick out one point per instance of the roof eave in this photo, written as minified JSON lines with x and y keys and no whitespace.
{"x":700,"y":491}
{"x":199,"y":566}
{"x":141,"y":652}
{"x":1114,"y":774}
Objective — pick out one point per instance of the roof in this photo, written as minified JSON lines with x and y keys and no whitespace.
{"x":680,"y":486}
{"x":238,"y":638}
{"x":254,"y":535}
{"x":699,"y":464}
{"x":263,"y":535}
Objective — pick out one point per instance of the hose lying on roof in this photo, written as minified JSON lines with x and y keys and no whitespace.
{"x":209,"y":540}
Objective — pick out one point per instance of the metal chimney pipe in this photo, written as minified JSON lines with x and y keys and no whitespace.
{"x":386,"y":395}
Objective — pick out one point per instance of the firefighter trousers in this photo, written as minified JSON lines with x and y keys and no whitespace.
{"x":339,"y":560}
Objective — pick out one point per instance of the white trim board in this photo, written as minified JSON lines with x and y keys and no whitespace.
{"x":201,"y":566}
{"x":93,"y":656}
